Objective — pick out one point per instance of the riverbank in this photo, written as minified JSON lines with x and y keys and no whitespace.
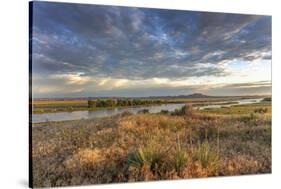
{"x":190,"y":144}
{"x":68,"y":109}
{"x":68,"y":105}
{"x":153,"y":108}
{"x":51,"y":108}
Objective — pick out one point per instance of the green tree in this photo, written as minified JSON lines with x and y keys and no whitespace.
{"x":91,"y":103}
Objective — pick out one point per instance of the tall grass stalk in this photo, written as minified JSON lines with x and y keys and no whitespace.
{"x":218,"y":139}
{"x":208,"y":158}
{"x":180,"y":158}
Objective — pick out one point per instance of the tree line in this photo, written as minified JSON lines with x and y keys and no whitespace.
{"x":121,"y":102}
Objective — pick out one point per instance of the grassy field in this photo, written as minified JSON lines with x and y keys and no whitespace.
{"x":126,"y":148}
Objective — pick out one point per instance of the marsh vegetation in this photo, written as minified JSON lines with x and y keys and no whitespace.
{"x":128,"y":147}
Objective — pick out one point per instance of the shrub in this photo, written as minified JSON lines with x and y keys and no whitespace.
{"x":164,"y":112}
{"x":126,"y":113}
{"x":249,"y":118}
{"x":260,"y":110}
{"x":69,"y":108}
{"x":92,"y":103}
{"x":144,"y":111}
{"x":185,"y":110}
{"x":267,"y":99}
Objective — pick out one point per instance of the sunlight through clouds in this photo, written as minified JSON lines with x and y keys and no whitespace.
{"x":106,"y":49}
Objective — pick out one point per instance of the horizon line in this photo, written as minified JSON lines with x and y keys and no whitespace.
{"x":152,"y":96}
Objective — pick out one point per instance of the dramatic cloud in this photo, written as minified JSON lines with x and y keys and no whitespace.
{"x":90,"y":48}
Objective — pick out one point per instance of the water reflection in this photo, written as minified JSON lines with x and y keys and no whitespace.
{"x":63,"y":116}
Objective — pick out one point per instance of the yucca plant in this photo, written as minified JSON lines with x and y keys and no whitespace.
{"x":180,"y":158}
{"x":207,"y":157}
{"x":149,"y":156}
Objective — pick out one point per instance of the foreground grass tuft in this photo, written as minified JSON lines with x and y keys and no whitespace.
{"x":207,"y":157}
{"x":147,"y":156}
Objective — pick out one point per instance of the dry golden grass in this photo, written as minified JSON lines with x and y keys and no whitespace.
{"x":128,"y":148}
{"x":58,"y":102}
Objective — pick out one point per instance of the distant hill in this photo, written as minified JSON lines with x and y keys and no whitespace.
{"x":196,"y":95}
{"x":190,"y":96}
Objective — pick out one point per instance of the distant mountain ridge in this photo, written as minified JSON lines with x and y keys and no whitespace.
{"x":196,"y":95}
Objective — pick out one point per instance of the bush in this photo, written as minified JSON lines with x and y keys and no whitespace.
{"x":185,"y":110}
{"x":92,"y":103}
{"x":260,"y":110}
{"x":267,"y":99}
{"x":164,"y":112}
{"x":206,"y":133}
{"x":126,"y":113}
{"x":144,"y":111}
{"x":249,"y":118}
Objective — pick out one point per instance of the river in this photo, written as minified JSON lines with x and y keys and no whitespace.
{"x":85,"y":114}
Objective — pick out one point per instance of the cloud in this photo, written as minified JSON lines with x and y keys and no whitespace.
{"x":126,"y":43}
{"x":253,"y":88}
{"x":72,"y":78}
{"x":248,"y":86}
{"x":75,"y":84}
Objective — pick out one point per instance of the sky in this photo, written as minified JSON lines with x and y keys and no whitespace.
{"x":94,"y":51}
